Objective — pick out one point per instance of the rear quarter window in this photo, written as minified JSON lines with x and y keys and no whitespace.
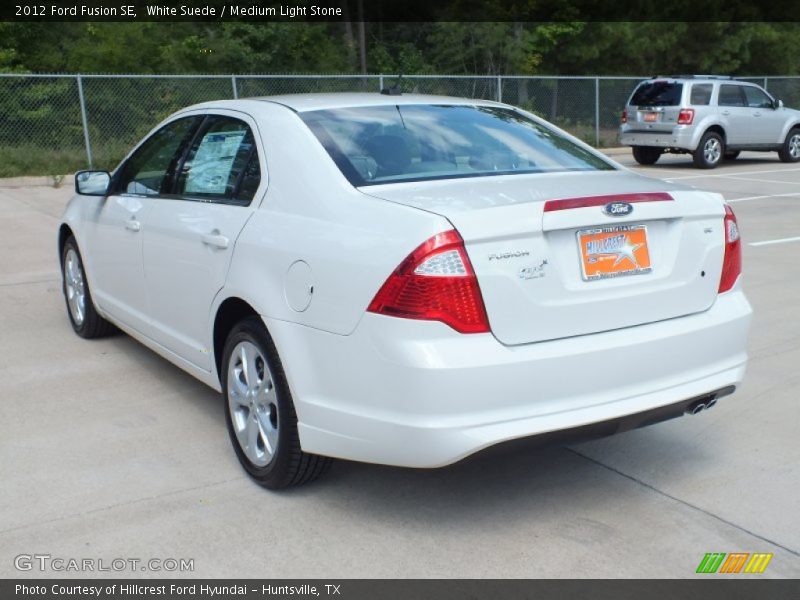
{"x":657,"y":93}
{"x":701,"y":94}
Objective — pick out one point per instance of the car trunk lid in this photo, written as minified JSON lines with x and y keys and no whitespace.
{"x":542,"y":248}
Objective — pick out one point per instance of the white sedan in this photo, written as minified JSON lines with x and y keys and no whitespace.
{"x":405,"y":280}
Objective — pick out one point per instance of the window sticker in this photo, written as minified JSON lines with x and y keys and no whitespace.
{"x":213,"y":161}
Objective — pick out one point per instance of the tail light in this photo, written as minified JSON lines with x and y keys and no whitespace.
{"x":435,"y":283}
{"x":624,"y":116}
{"x":686,"y":116}
{"x":732,"y":263}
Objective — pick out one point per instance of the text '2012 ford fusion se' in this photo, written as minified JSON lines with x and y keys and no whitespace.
{"x":405,"y":280}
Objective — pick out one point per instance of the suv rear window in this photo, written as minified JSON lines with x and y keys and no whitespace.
{"x":657,"y":93}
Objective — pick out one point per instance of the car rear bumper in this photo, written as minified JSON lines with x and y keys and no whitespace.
{"x":678,"y":137}
{"x":417,"y":394}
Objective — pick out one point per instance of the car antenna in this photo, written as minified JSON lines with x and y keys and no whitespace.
{"x":395,"y":89}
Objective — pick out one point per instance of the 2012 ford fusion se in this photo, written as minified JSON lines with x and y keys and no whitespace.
{"x":404,"y":279}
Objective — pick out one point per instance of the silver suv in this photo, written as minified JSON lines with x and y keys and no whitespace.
{"x":709,"y":117}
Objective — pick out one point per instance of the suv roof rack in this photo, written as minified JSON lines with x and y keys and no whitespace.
{"x":691,"y":77}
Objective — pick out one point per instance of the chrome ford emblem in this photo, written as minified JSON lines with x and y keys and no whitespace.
{"x":618,"y":209}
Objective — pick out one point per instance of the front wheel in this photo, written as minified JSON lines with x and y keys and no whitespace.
{"x":83,"y":317}
{"x":259,"y":411}
{"x":790,"y":152}
{"x":710,"y":151}
{"x":646,"y":155}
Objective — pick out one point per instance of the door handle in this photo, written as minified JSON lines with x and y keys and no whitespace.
{"x":133,"y":225}
{"x":756,"y":114}
{"x":215,"y":240}
{"x":726,"y":112}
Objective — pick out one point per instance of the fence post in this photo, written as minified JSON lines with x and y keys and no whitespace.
{"x":765,"y":83}
{"x":597,"y":111}
{"x":233,"y":85}
{"x":380,"y":82}
{"x":499,"y":88}
{"x":84,"y":121}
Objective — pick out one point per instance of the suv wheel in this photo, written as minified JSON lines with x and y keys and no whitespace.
{"x":791,"y":147}
{"x":709,"y":151}
{"x":259,"y":411}
{"x":646,"y":155}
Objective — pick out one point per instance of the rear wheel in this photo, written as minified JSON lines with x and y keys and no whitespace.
{"x":710,"y":151}
{"x":646,"y":155}
{"x":790,"y":152}
{"x":82,"y":315}
{"x":259,"y":411}
{"x":731,"y":155}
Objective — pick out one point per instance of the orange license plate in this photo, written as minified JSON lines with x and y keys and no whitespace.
{"x":614,"y":251}
{"x":650,"y":117}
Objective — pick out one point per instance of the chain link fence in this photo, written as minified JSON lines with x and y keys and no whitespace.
{"x":56,"y":124}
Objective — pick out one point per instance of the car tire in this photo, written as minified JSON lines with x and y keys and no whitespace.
{"x":790,"y":152}
{"x":83,"y":316}
{"x":260,"y":413}
{"x":646,"y":155}
{"x":732,"y":155}
{"x":709,"y":151}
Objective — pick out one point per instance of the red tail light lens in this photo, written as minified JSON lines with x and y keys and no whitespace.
{"x":435,"y":283}
{"x":686,"y":116}
{"x":732,"y":263}
{"x":624,"y":116}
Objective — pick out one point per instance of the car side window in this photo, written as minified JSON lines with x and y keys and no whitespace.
{"x":149,"y":168}
{"x":756,"y":98}
{"x":701,"y":94}
{"x":222,"y":164}
{"x":731,"y":95}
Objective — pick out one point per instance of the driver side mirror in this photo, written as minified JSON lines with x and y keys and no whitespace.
{"x":777,"y":104}
{"x":92,"y":183}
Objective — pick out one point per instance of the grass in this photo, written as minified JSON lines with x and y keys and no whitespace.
{"x":30,"y":159}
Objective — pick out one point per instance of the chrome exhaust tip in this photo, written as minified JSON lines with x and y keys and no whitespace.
{"x":696,"y":407}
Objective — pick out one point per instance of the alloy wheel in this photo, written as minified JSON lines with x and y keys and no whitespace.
{"x":794,"y":146}
{"x":712,"y":151}
{"x":253,"y":403}
{"x":75,"y":287}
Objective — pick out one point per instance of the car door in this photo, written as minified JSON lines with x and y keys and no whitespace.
{"x":734,"y":110}
{"x":115,"y":231}
{"x":191,"y":232}
{"x":765,"y":121}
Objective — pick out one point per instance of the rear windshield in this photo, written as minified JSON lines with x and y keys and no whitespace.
{"x":384,"y":144}
{"x":657,"y":93}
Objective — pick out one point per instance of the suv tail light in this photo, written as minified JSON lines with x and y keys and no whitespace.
{"x":732,"y":263}
{"x":686,"y":116}
{"x":624,"y":116}
{"x":435,"y":283}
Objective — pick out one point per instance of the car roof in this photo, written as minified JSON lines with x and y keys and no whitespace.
{"x":308,"y":102}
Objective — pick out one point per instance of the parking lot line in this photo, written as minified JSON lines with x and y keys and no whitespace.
{"x":778,"y":241}
{"x":759,"y":180}
{"x":747,"y":198}
{"x":736,"y":174}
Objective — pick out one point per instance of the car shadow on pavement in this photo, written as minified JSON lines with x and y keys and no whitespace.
{"x":515,"y":479}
